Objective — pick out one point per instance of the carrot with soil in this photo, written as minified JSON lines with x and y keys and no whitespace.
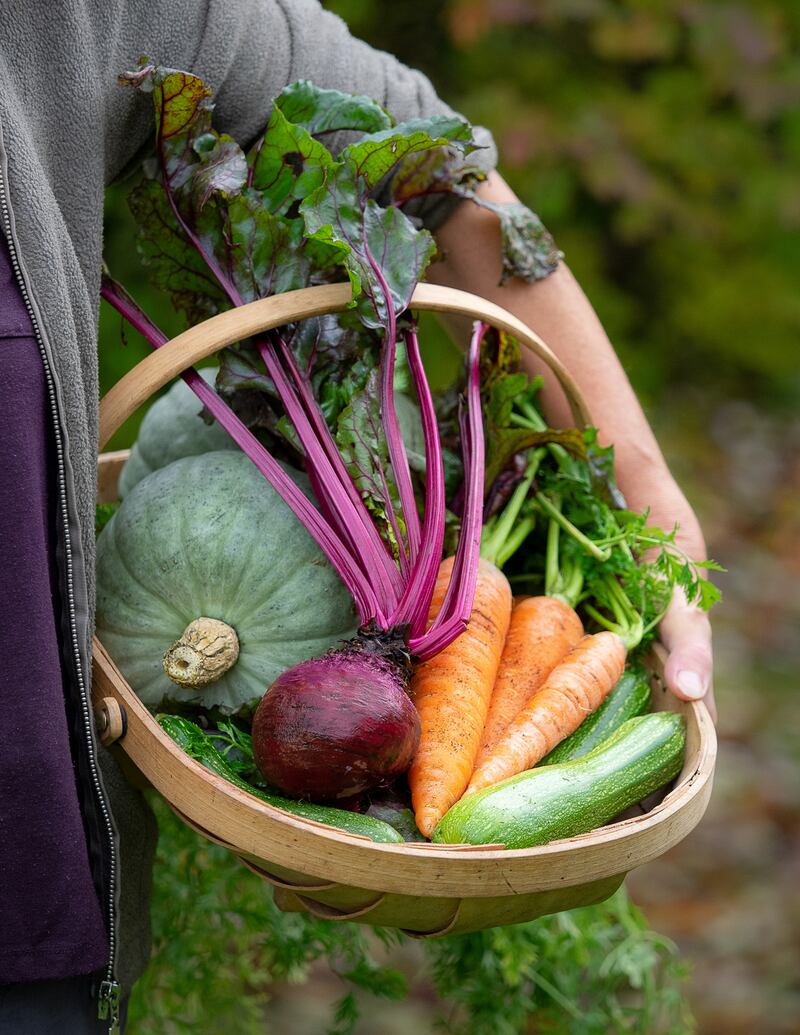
{"x":451,"y":692}
{"x":574,"y":689}
{"x":541,"y":632}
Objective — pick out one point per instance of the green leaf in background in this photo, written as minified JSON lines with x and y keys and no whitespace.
{"x":341,"y":213}
{"x":220,"y":944}
{"x":185,"y":137}
{"x":103,"y":513}
{"x":401,"y":250}
{"x":380,"y":247}
{"x":195,"y":170}
{"x":240,"y":368}
{"x":270,"y":251}
{"x":220,"y":947}
{"x":601,"y":466}
{"x":326,"y":111}
{"x":504,"y":443}
{"x":433,"y":172}
{"x":336,"y":354}
{"x":592,"y":971}
{"x":182,"y":105}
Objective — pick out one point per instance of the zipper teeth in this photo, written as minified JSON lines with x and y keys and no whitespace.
{"x":62,"y":489}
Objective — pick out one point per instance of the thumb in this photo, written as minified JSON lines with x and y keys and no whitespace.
{"x":686,"y":633}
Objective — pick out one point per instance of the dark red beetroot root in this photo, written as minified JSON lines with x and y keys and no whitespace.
{"x":335,"y":726}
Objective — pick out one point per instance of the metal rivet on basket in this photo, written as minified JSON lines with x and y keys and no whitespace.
{"x":111,"y":721}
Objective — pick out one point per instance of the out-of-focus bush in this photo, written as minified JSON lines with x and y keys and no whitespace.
{"x":661,"y":144}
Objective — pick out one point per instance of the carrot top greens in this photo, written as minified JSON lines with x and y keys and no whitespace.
{"x":554,"y":515}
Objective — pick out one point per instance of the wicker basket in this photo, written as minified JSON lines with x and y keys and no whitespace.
{"x":426,"y":890}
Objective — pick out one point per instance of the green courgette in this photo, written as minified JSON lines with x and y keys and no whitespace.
{"x":199,"y":746}
{"x":542,"y":805}
{"x":630,"y":697}
{"x":399,"y":819}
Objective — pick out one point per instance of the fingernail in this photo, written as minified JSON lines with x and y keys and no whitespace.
{"x":690,"y":684}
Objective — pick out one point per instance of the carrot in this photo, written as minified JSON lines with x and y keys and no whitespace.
{"x":542,"y":630}
{"x":451,"y":692}
{"x":575,"y":688}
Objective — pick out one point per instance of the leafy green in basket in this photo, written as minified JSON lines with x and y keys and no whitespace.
{"x":556,"y":520}
{"x":200,"y":746}
{"x":103,"y":513}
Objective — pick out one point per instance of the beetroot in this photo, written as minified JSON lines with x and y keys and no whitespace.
{"x":337,"y":725}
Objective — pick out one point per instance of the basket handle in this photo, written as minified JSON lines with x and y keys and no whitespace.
{"x":209,"y":337}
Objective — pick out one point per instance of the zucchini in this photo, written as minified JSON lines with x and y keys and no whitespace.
{"x":401,"y":820}
{"x":542,"y":805}
{"x":198,"y":745}
{"x":630,"y":697}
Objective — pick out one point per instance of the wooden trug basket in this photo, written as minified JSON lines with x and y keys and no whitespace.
{"x":426,"y":890}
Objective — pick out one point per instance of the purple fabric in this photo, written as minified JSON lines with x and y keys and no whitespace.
{"x":50,"y":920}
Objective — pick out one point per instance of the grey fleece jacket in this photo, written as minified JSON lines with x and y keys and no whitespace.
{"x":66,"y":131}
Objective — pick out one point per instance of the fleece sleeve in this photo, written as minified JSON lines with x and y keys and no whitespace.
{"x":248,"y":51}
{"x":251,"y":49}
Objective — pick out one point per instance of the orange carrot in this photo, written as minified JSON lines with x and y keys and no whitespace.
{"x":451,"y":692}
{"x":542,"y":630}
{"x":575,"y":688}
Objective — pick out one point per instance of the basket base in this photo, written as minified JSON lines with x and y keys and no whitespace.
{"x":433,"y":917}
{"x":417,"y":916}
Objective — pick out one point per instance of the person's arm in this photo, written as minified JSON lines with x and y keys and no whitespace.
{"x":557,"y":309}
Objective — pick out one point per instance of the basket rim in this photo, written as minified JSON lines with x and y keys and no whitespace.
{"x":211,"y":336}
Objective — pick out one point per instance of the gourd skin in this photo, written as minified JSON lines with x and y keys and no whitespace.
{"x":172,"y":428}
{"x":208,"y":536}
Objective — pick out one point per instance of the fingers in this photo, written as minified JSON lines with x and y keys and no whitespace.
{"x":686,"y":633}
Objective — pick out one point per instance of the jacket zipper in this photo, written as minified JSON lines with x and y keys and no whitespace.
{"x":109,"y":992}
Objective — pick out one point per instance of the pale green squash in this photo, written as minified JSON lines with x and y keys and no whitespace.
{"x":172,"y":428}
{"x":207,"y":536}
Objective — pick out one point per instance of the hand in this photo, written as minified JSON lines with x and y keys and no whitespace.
{"x":685,"y":630}
{"x":686,"y":633}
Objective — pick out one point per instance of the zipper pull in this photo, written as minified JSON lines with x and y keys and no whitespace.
{"x":108,"y":1005}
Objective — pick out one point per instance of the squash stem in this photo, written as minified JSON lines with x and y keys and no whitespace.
{"x":207,"y":650}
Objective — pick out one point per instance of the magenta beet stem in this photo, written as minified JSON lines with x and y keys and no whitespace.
{"x":370,"y":556}
{"x":394,"y":438}
{"x":416,"y":600}
{"x":457,"y":605}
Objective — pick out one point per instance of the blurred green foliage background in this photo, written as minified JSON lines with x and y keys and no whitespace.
{"x":660,"y":143}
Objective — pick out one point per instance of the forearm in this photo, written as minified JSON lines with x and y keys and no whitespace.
{"x":557,"y":309}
